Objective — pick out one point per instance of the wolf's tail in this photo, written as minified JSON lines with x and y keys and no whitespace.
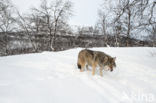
{"x":78,"y":65}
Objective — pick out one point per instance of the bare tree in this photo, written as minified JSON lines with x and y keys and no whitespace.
{"x":54,"y":17}
{"x":35,"y":22}
{"x":7,"y":21}
{"x":106,"y":24}
{"x":128,"y":18}
{"x":152,"y":17}
{"x":152,"y":34}
{"x":131,"y":16}
{"x":25,"y":27}
{"x":103,"y":26}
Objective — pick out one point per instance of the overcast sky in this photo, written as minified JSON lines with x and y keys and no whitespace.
{"x":85,"y":11}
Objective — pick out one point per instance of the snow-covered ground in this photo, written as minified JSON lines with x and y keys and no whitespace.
{"x":53,"y":77}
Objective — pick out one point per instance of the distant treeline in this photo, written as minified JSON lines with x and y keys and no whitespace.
{"x":19,"y":43}
{"x":46,"y":27}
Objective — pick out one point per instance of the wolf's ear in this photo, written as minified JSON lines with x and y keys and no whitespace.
{"x":114,"y":58}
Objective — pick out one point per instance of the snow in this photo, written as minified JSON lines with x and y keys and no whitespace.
{"x":53,"y":77}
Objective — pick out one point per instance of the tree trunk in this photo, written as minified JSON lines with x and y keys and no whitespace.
{"x":6,"y":43}
{"x":129,"y":28}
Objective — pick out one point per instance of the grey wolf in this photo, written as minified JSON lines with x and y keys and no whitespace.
{"x":95,"y":58}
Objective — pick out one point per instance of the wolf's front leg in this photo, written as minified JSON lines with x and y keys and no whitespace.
{"x":101,"y":73}
{"x":93,"y":69}
{"x":87,"y":67}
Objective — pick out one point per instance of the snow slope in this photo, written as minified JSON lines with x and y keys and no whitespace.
{"x":53,"y":77}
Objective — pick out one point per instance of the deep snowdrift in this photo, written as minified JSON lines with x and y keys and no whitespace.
{"x":53,"y":77}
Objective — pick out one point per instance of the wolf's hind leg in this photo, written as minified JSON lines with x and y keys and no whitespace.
{"x":82,"y":67}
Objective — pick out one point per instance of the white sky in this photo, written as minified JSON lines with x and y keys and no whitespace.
{"x":85,"y":11}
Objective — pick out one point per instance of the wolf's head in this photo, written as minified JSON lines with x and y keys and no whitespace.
{"x":111,"y":63}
